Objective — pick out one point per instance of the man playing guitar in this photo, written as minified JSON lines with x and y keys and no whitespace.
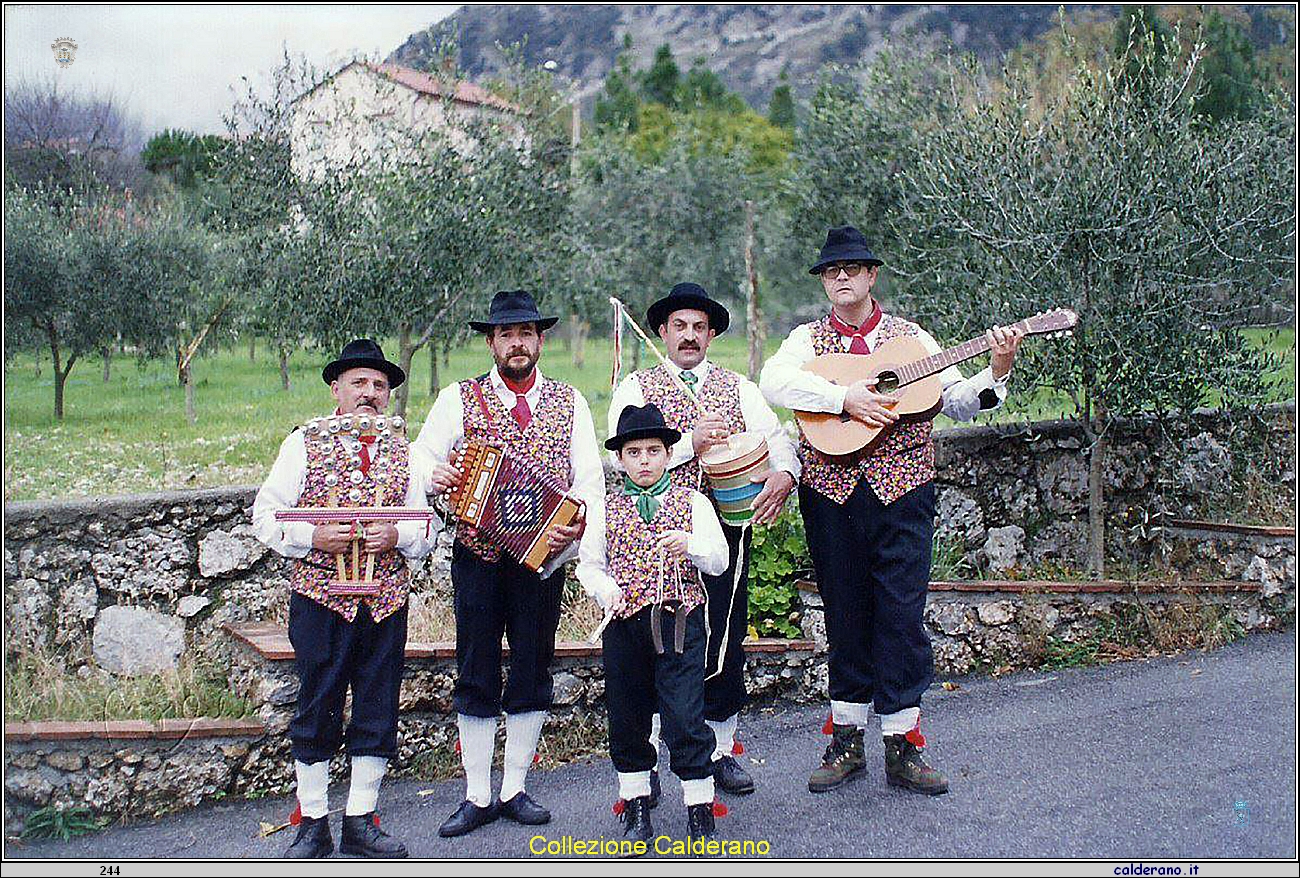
{"x":869,"y":518}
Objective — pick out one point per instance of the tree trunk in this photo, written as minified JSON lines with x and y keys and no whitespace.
{"x":60,"y":371}
{"x":108,"y":358}
{"x":753,"y":316}
{"x":1097,"y":499}
{"x":187,"y":378}
{"x":284,"y":367}
{"x":406,"y":352}
{"x":433,"y":369}
{"x":580,"y":330}
{"x":252,"y":350}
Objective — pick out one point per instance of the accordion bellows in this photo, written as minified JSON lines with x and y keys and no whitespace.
{"x":512,"y":501}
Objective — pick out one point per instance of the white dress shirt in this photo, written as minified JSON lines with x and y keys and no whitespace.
{"x":705,"y":546}
{"x":283,"y":487}
{"x":784,"y":381}
{"x":758,"y":416}
{"x":444,"y":430}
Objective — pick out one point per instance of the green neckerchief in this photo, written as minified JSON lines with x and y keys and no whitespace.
{"x":647,"y":499}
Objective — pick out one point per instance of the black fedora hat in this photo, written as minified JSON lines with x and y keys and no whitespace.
{"x":844,"y":244}
{"x":691,"y":296}
{"x":642,"y":422}
{"x":363,"y":353}
{"x":513,"y":306}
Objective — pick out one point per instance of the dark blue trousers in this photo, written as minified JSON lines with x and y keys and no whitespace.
{"x":332,"y":654}
{"x":724,"y":691}
{"x":640,"y":683}
{"x":495,"y":598}
{"x":873,"y":572}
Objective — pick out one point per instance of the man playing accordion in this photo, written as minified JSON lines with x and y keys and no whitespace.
{"x":548,"y":423}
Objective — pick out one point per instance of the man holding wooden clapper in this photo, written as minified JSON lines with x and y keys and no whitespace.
{"x":869,"y":516}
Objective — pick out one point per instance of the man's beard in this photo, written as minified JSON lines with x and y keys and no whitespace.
{"x":516,"y":373}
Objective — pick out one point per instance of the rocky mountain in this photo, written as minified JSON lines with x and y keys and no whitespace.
{"x":747,"y":45}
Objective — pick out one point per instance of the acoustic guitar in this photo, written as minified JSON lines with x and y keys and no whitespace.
{"x":904,"y":368}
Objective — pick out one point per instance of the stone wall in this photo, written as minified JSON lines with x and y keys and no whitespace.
{"x":1010,"y":496}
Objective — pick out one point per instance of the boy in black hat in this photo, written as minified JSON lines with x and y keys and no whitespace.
{"x":548,"y":422}
{"x":641,"y":559}
{"x":687,"y":320}
{"x":357,"y":457}
{"x":870,"y":518}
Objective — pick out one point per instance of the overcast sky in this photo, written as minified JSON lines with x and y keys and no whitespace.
{"x":174,"y":65}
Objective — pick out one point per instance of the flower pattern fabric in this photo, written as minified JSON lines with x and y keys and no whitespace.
{"x":634,"y":560}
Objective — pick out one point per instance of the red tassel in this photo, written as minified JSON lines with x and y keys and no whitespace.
{"x":915,"y":737}
{"x":829,"y":727}
{"x":295,"y":818}
{"x":619,"y":806}
{"x":737,"y":749}
{"x":719,"y":809}
{"x":375,"y":817}
{"x":458,"y":745}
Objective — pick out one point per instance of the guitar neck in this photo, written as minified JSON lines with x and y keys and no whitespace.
{"x":935,"y":363}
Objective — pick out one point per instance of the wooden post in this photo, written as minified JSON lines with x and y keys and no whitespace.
{"x":577,"y":137}
{"x":753,"y":317}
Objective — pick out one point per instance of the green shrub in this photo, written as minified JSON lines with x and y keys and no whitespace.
{"x":57,"y":821}
{"x":779,"y":557}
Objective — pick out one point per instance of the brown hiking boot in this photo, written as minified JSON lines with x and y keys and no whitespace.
{"x":906,"y":767}
{"x":844,"y":760}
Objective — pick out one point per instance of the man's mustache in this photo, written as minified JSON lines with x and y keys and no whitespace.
{"x":688,"y":346}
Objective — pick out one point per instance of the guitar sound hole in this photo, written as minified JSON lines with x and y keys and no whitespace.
{"x":887,"y":382}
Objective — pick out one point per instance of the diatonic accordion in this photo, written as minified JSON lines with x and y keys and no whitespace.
{"x":511,"y":500}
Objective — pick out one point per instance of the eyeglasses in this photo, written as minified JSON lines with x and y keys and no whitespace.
{"x":850,"y":268}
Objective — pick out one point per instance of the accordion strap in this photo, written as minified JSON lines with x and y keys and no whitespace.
{"x":482,"y":404}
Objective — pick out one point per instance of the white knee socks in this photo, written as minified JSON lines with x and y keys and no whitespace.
{"x":633,"y":784}
{"x":363,"y":793}
{"x":522,"y":733}
{"x":313,"y":787}
{"x":899,"y":723}
{"x":477,"y":741}
{"x":654,"y":738}
{"x":724,"y":736}
{"x":849,"y":713}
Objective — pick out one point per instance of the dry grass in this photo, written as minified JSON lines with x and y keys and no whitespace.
{"x":37,"y":686}
{"x":433,"y":620}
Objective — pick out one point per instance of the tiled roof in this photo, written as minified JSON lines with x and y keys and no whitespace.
{"x":465,"y":92}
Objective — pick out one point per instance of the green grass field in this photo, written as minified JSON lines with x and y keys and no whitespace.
{"x":130,"y":435}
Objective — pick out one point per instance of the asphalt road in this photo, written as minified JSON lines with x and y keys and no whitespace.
{"x":1139,"y":760}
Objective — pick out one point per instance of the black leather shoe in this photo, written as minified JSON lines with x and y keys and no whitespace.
{"x":731,"y":776}
{"x":468,"y":817}
{"x":636,"y":822}
{"x":655,"y":789}
{"x":522,"y":809}
{"x":699,"y":822}
{"x":313,"y":841}
{"x":362,"y":837}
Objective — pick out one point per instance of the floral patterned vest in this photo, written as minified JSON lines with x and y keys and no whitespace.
{"x":719,"y":393}
{"x":546,"y":440}
{"x":333,"y":458}
{"x":636,"y":564}
{"x":904,"y":459}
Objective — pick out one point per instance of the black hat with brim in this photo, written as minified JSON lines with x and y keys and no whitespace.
{"x":691,"y":296}
{"x":511,"y":307}
{"x":642,"y":422}
{"x":363,"y":353}
{"x":844,"y":244}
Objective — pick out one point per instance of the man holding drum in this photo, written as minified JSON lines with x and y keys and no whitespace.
{"x":870,"y":518}
{"x":725,"y":403}
{"x":549,"y":423}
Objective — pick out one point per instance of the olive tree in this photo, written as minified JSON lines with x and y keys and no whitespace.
{"x":1119,"y":201}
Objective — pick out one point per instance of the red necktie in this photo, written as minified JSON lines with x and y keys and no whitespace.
{"x":858,"y":334}
{"x":523,"y":414}
{"x":366,"y":442}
